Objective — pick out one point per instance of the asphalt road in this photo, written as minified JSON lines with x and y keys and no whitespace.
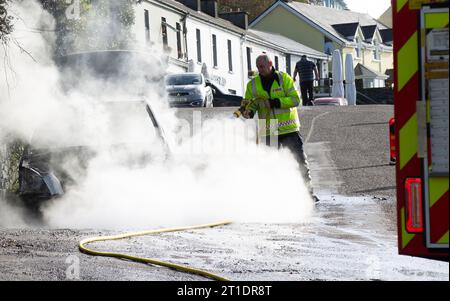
{"x":351,"y":234}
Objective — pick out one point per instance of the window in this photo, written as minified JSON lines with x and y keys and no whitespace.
{"x":358,"y":47}
{"x":164,"y":32}
{"x":249,"y":59}
{"x":184,"y":79}
{"x":214,"y":45}
{"x":147,"y":26}
{"x":179,"y":49}
{"x":230,"y":57}
{"x":276,"y":63}
{"x":288,"y":64}
{"x":328,"y":46}
{"x":199,"y":46}
{"x":376,"y":51}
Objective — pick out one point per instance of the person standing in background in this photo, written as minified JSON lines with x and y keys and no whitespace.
{"x":307,"y":70}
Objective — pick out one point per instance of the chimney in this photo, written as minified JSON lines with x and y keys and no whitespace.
{"x":238,"y":18}
{"x":192,"y":4}
{"x":210,"y":7}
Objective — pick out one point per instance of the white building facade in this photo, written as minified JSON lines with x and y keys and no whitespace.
{"x":194,"y":37}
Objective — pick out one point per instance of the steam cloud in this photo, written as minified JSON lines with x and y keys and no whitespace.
{"x":217,"y":173}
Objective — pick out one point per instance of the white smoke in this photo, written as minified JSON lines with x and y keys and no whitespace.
{"x":11,"y":215}
{"x":218,"y":173}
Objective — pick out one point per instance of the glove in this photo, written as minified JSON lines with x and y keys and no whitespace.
{"x":247,"y":114}
{"x":275,"y":103}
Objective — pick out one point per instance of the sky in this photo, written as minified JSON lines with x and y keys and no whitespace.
{"x":375,"y":8}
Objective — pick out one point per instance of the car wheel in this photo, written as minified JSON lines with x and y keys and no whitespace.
{"x":32,"y":206}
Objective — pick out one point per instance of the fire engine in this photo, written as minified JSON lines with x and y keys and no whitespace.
{"x":421,"y":105}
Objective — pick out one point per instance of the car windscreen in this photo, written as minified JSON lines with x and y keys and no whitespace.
{"x":102,"y":124}
{"x":183,"y":80}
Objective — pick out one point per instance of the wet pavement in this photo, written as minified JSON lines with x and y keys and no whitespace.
{"x":351,"y":234}
{"x":347,"y":238}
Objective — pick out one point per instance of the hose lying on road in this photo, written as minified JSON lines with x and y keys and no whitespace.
{"x":181,"y":268}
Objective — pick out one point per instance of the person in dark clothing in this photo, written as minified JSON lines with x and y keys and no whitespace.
{"x":307,"y":70}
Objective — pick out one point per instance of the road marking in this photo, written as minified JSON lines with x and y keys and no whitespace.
{"x":312,"y":126}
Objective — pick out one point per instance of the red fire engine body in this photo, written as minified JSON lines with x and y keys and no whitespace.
{"x":421,"y":104}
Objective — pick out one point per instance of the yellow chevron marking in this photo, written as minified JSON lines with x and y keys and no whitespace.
{"x":417,"y":4}
{"x":406,"y":237}
{"x":436,"y":20}
{"x":443,"y":239}
{"x":408,"y":141}
{"x":408,"y":61}
{"x":438,"y":187}
{"x":400,"y":4}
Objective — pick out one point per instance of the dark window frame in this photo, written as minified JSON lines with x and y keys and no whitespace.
{"x":230,"y":56}
{"x":214,"y":46}
{"x":179,"y":48}
{"x":199,"y":45}
{"x":164,"y":33}
{"x":249,"y":59}
{"x":147,"y":25}
{"x":288,"y":64}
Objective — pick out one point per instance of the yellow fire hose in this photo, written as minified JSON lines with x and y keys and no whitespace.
{"x":181,"y":268}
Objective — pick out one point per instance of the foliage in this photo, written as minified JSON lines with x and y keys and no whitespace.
{"x":6,"y":25}
{"x":100,"y":24}
{"x":256,"y":7}
{"x":10,"y":155}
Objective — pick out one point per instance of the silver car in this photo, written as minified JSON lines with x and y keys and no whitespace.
{"x":188,"y":90}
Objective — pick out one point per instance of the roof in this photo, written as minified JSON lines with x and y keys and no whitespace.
{"x":291,"y":46}
{"x":327,"y":19}
{"x":386,"y":35}
{"x":347,"y":30}
{"x":362,"y":71}
{"x":368,"y":32}
{"x":236,"y":29}
{"x":203,"y":16}
{"x":386,"y":17}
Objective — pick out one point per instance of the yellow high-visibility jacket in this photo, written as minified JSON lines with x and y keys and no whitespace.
{"x":278,"y":121}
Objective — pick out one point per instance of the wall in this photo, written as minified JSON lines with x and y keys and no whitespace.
{"x":155,"y":15}
{"x":379,"y":95}
{"x":233,"y":80}
{"x":298,"y":30}
{"x":305,"y":34}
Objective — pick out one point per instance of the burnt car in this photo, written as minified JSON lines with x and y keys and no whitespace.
{"x":56,"y":159}
{"x":223,"y":99}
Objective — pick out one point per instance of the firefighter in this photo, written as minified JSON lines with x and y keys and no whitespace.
{"x":273,"y":96}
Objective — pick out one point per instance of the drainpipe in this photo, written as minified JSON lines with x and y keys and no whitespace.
{"x":244,"y":76}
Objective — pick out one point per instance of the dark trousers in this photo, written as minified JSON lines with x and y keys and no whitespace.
{"x":294,"y":143}
{"x":306,"y":88}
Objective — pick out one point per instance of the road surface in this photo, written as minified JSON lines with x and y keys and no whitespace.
{"x":351,"y":234}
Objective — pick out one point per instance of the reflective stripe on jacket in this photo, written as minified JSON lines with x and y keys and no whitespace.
{"x":285,"y":119}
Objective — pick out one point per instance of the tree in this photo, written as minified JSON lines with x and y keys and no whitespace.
{"x":255,"y":7}
{"x":100,"y":25}
{"x":6,"y":25}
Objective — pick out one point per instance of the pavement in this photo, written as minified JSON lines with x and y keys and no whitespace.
{"x":350,"y":235}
